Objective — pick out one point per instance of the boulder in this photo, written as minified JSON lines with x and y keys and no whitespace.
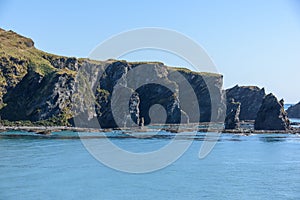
{"x":232,"y":120}
{"x":294,"y":111}
{"x":271,"y":115}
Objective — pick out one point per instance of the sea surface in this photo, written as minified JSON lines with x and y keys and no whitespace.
{"x":265,"y":166}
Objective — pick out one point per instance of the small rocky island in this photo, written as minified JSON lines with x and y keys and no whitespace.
{"x":271,"y":115}
{"x":45,"y":90}
{"x":266,"y":112}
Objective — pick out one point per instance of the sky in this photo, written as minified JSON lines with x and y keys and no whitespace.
{"x":251,"y":42}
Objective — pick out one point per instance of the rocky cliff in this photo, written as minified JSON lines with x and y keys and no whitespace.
{"x":294,"y":111}
{"x":271,"y":115}
{"x":42,"y":87}
{"x":250,"y":97}
{"x":131,"y":93}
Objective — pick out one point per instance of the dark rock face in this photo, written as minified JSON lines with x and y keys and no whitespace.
{"x":38,"y":98}
{"x":294,"y":111}
{"x":155,"y":85}
{"x":210,"y":98}
{"x":36,"y":86}
{"x":250,"y":97}
{"x":118,"y":91}
{"x":232,"y":120}
{"x":153,"y":94}
{"x":62,"y":62}
{"x":271,"y":115}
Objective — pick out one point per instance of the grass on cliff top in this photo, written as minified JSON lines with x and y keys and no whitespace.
{"x":13,"y":45}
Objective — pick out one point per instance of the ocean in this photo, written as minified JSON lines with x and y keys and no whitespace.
{"x":265,"y":166}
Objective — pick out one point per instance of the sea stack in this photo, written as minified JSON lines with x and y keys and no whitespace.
{"x":232,"y":120}
{"x":250,"y":97}
{"x":271,"y":115}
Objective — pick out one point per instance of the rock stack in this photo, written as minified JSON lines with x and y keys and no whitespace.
{"x":271,"y":115}
{"x":232,"y":120}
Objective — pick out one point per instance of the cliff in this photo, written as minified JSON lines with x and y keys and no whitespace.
{"x":47,"y":89}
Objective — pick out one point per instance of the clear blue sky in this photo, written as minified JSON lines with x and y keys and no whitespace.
{"x":252,"y":42}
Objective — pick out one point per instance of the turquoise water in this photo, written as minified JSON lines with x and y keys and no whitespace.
{"x":239,"y":167}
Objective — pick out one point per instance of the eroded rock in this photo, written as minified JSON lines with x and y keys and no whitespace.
{"x":39,"y":86}
{"x":250,"y":97}
{"x":232,"y":120}
{"x":271,"y":115}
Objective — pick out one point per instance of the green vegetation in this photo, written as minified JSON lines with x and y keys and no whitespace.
{"x":18,"y":56}
{"x":16,"y":123}
{"x":20,"y":52}
{"x":102,"y":92}
{"x":48,"y":78}
{"x":144,"y":62}
{"x":54,"y":121}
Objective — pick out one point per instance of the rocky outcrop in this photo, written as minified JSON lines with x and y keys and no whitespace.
{"x":232,"y":120}
{"x":271,"y":115}
{"x":39,"y":97}
{"x":124,"y":97}
{"x":143,"y":86}
{"x":250,"y":97}
{"x":57,"y":90}
{"x":39,"y":86}
{"x":210,"y":98}
{"x":294,"y":111}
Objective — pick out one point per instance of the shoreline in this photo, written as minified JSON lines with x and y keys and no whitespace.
{"x":172,"y":128}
